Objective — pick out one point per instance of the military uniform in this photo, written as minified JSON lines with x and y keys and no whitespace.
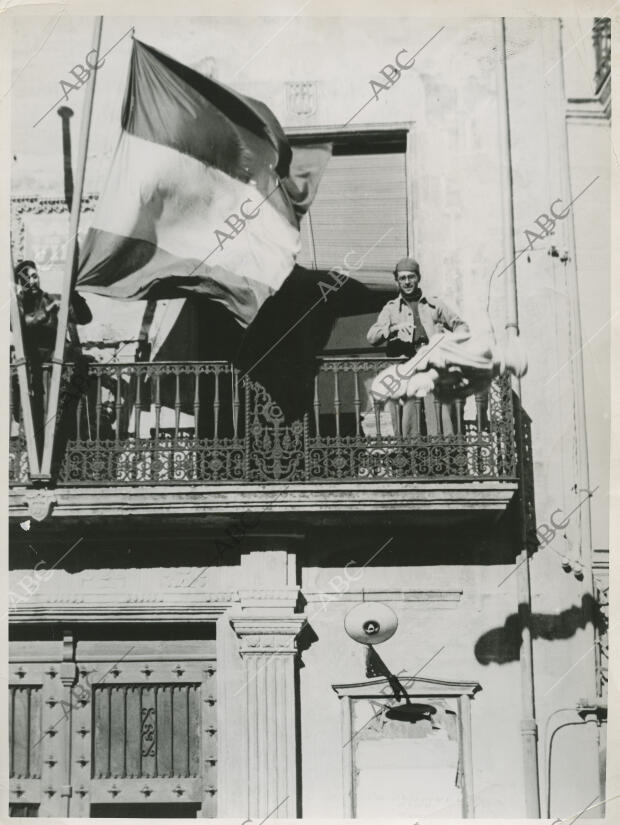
{"x":417,"y":321}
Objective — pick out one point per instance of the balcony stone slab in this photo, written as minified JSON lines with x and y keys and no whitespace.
{"x":318,"y":503}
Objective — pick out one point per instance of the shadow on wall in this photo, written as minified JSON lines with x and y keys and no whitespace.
{"x":501,"y":644}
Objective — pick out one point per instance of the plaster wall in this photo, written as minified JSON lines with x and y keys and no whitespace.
{"x":457,"y":622}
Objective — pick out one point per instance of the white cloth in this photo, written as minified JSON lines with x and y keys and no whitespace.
{"x":453,"y":365}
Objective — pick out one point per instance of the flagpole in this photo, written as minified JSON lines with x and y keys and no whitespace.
{"x":22,"y":377}
{"x":70,"y":266}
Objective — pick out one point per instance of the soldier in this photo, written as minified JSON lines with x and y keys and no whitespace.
{"x":39,"y":313}
{"x":406,"y":324}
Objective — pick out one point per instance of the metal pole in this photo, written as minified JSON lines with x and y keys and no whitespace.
{"x":529,"y":726}
{"x":65,"y":113}
{"x":22,"y":377}
{"x":70,"y":265}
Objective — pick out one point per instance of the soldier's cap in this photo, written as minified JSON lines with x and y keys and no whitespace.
{"x":407,"y":265}
{"x":23,"y":265}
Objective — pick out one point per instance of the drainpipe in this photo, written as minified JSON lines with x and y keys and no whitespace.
{"x":576,"y":364}
{"x":529,"y":727}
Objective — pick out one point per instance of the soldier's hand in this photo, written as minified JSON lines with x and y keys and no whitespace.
{"x":404,"y":332}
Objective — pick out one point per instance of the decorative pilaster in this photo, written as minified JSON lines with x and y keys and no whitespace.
{"x":269,"y":651}
{"x":68,"y":671}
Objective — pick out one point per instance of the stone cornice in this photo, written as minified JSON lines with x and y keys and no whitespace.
{"x":232,"y":499}
{"x":597,"y":107}
{"x":450,"y":598}
{"x":414,"y":685}
{"x":94,"y":608}
{"x":280,"y":599}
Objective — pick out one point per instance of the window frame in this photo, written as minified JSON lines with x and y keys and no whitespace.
{"x":300,"y":135}
{"x":397,"y":130}
{"x":415,"y":687}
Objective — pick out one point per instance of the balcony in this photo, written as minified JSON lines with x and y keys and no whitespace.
{"x":202,"y":427}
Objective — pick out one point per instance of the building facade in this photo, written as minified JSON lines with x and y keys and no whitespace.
{"x":179,"y":588}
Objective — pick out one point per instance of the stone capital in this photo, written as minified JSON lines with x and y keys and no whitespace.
{"x":269,"y":601}
{"x":268,"y":634}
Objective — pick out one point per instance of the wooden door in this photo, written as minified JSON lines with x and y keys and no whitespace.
{"x":135,"y":735}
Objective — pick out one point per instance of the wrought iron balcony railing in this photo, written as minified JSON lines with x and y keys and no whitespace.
{"x":201,"y":422}
{"x":601,"y":38}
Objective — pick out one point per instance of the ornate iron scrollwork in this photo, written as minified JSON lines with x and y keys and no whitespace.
{"x":147,"y":732}
{"x":601,"y":38}
{"x":275,"y":449}
{"x":200,"y":422}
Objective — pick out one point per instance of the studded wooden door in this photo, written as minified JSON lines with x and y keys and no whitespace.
{"x":134,"y":735}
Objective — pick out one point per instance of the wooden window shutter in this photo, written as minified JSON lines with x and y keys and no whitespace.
{"x":361,"y":197}
{"x":361,"y":201}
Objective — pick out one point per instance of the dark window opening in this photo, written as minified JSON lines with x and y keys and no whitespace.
{"x":171,"y":810}
{"x":23,"y":809}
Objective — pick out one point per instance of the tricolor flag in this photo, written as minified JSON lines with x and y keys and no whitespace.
{"x":204,"y":199}
{"x":198,"y":199}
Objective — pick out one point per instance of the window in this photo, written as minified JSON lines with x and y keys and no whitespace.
{"x":177,"y":810}
{"x":23,"y":809}
{"x":407,"y":765}
{"x":407,"y":755}
{"x":361,"y":207}
{"x":149,"y":730}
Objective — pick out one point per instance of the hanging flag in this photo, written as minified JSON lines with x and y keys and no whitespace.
{"x":204,"y":200}
{"x":200,"y":198}
{"x":280,"y":348}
